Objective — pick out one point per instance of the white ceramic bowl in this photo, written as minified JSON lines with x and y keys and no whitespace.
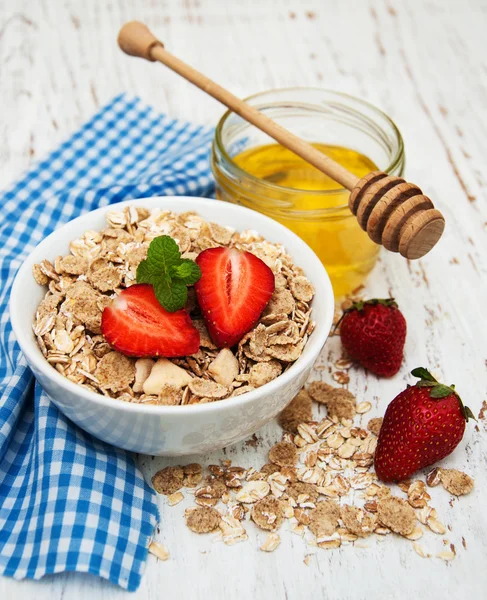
{"x":171,"y":430}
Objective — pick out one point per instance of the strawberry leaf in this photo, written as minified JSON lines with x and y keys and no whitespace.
{"x":423,"y":374}
{"x":468,"y":414}
{"x":440,"y":391}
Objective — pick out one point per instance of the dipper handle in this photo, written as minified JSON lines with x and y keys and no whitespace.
{"x":393,"y":212}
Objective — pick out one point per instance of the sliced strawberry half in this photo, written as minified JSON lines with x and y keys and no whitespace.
{"x":234,"y":289}
{"x":137,"y":325}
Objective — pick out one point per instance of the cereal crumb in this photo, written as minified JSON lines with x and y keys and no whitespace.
{"x":396,"y":514}
{"x":168,"y":480}
{"x":159,"y":550}
{"x":267,"y":513}
{"x":298,"y":411}
{"x":283,"y":454}
{"x":202,"y":519}
{"x":456,"y":482}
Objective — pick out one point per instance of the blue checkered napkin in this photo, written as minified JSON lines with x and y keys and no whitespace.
{"x":67,"y":501}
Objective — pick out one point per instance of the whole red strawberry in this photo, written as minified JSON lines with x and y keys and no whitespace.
{"x":422,"y":425}
{"x":373,"y":333}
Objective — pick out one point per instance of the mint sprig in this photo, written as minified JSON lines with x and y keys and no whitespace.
{"x":168,"y":273}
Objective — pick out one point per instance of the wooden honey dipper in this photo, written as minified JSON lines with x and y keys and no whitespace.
{"x":393,"y":212}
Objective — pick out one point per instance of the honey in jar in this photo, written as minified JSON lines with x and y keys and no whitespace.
{"x":252,"y":170}
{"x":346,"y":251}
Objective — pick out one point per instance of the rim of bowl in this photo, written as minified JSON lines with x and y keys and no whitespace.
{"x":32,"y":352}
{"x":221,"y":147}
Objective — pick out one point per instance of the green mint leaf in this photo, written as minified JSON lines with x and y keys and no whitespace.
{"x":172,"y":295}
{"x":187,"y":270}
{"x":422,"y":373}
{"x":163,"y":253}
{"x":440,"y":391}
{"x":146,"y":272}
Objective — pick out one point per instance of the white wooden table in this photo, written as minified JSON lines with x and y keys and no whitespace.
{"x":424,"y":63}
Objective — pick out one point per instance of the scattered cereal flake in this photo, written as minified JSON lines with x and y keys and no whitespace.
{"x":253,"y":491}
{"x":267,"y":513}
{"x":214,"y":490}
{"x":324,"y":518}
{"x":344,"y":363}
{"x":168,"y":481}
{"x":307,"y":559}
{"x":420,"y":550}
{"x":396,"y":514}
{"x":436,"y":526}
{"x":298,"y":411}
{"x":363,"y":407}
{"x":329,"y":542}
{"x":115,"y":371}
{"x":341,"y":377}
{"x":203,"y":519}
{"x":207,"y":389}
{"x":425,"y":513}
{"x":283,"y":454}
{"x":224,"y":368}
{"x":339,"y":402}
{"x":374,"y":425}
{"x":175,"y":498}
{"x":417,"y":495}
{"x":232,"y":530}
{"x":271,"y":542}
{"x":263,"y":372}
{"x":358,"y":521}
{"x":456,"y":482}
{"x":158,"y":550}
{"x":433,"y":477}
{"x":416,"y":534}
{"x":446,"y":555}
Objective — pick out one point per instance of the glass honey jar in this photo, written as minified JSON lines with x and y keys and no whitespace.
{"x":252,"y":170}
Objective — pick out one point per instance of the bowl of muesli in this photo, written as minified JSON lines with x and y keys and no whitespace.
{"x":172,"y":326}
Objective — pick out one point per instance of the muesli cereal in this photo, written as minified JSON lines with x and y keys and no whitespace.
{"x":102,"y":264}
{"x":328,"y":500}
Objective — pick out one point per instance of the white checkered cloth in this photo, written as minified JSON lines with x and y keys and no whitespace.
{"x":69,"y":502}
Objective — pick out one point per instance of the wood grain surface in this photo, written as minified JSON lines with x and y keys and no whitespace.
{"x":424,"y":63}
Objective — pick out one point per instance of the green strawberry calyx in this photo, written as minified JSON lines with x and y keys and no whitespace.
{"x":359,"y":306}
{"x":440,"y":390}
{"x":389,"y":302}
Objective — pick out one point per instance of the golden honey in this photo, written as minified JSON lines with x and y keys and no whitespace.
{"x":345,"y":250}
{"x":253,"y":171}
